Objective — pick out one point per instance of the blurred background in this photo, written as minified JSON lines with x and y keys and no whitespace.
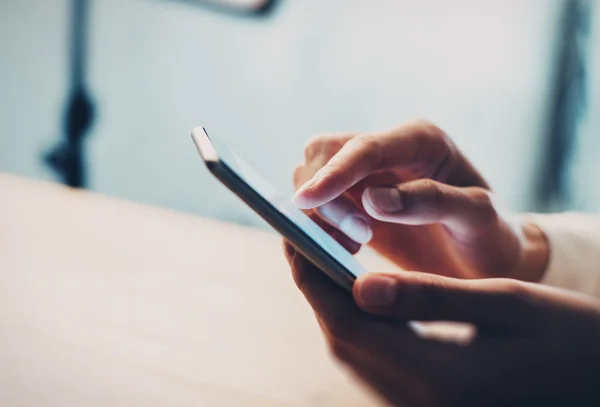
{"x":103,"y":94}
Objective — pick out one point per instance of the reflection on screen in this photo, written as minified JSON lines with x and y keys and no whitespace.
{"x":283,"y":205}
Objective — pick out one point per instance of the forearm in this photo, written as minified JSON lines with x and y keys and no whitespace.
{"x":573,"y":257}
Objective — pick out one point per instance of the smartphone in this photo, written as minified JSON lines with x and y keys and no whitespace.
{"x":293,"y":224}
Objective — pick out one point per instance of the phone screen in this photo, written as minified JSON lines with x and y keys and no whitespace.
{"x":286,"y":208}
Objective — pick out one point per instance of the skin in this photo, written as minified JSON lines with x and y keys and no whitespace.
{"x":535,"y":346}
{"x":446,"y":204}
{"x":418,"y":201}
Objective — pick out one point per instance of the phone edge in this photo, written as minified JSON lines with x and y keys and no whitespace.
{"x":304,"y":243}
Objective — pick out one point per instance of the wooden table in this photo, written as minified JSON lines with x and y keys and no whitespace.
{"x":110,"y":303}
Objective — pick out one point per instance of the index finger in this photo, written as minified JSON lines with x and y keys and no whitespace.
{"x":369,"y":153}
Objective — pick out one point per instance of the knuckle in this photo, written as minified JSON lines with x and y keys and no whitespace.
{"x":438,"y":195}
{"x":425,"y":125}
{"x":515,"y":289}
{"x":313,"y":145}
{"x":506,"y":286}
{"x":435,"y":152}
{"x":424,"y":298}
{"x":483,"y":201}
{"x":512,"y":293}
{"x":298,"y":175}
{"x":322,"y":145}
{"x":481,"y":197}
{"x":436,"y":134}
{"x":430,"y":133}
{"x":432,"y":299}
{"x":432,"y":194}
{"x":371,"y":146}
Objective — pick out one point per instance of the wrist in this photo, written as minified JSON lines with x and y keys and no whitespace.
{"x":535,"y":256}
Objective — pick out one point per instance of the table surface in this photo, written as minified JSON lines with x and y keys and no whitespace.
{"x":105,"y":302}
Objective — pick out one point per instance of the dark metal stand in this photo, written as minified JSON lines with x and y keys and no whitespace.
{"x":568,"y":105}
{"x":68,"y":158}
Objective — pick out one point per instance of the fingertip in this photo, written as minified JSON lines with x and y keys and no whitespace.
{"x":300,"y":201}
{"x":357,"y":228}
{"x":322,"y":188}
{"x":302,"y":198}
{"x":309,"y":197}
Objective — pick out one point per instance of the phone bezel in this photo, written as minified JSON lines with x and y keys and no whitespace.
{"x":288,"y":229}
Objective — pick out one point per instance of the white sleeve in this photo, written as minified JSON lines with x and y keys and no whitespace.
{"x":574,"y":241}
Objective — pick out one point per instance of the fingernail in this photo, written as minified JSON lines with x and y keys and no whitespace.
{"x":356,"y":229}
{"x":377,"y":291}
{"x":387,"y":200}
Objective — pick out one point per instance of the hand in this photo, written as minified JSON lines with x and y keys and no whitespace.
{"x":419,"y":202}
{"x":535,"y":345}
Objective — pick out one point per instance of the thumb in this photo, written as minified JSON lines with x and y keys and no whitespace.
{"x":468,"y":211}
{"x":427,"y":297}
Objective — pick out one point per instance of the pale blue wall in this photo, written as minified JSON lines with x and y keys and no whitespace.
{"x":585,"y":172}
{"x":481,"y":69}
